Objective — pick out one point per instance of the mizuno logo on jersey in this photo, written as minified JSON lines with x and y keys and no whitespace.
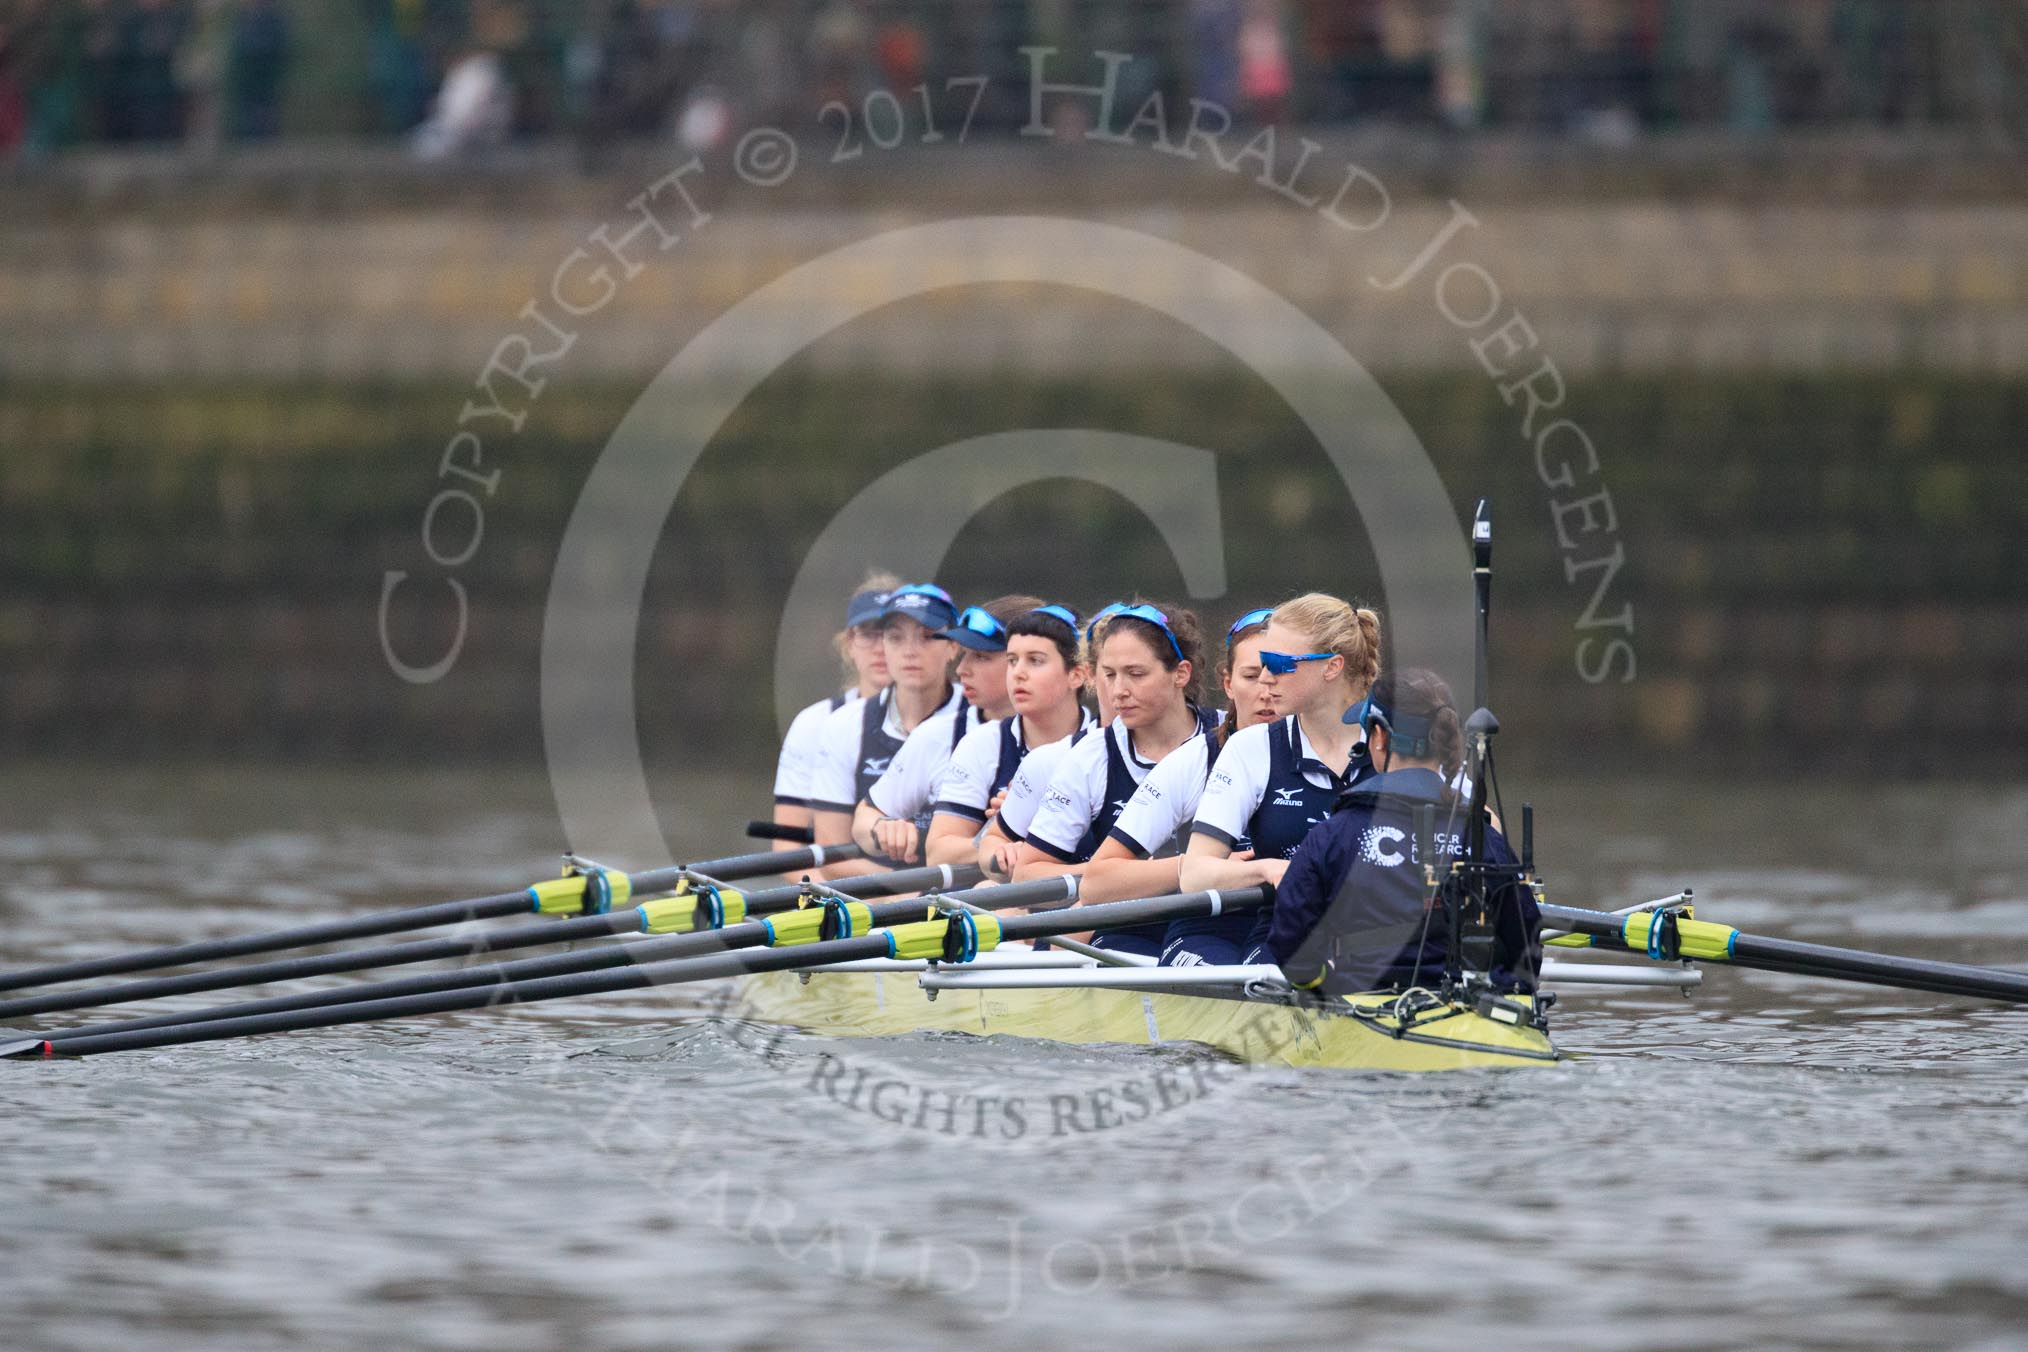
{"x":876,"y":765}
{"x":1288,"y":798}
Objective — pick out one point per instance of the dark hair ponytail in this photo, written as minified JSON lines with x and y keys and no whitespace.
{"x":1420,"y":693}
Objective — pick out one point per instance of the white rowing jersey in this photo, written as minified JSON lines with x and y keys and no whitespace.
{"x":1025,"y":790}
{"x":796,"y":768}
{"x":1268,"y":789}
{"x":910,"y":784}
{"x":1156,"y":820}
{"x":844,"y":762}
{"x":986,"y":762}
{"x":1090,"y":787}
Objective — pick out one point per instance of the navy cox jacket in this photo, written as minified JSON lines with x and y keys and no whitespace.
{"x":1353,"y":895}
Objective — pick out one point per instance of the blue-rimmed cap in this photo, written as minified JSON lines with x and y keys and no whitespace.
{"x":924,"y":602}
{"x":1064,"y":613}
{"x":1106,"y":612}
{"x":978,"y":629}
{"x":1408,"y":732}
{"x":1247,"y":621}
{"x":864,"y":608}
{"x":1147,"y":614}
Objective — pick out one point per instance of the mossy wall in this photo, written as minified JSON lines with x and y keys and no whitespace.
{"x":1823,"y":570}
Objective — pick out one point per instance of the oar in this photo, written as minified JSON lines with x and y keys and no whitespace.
{"x":652,"y":917}
{"x":795,"y":835}
{"x":417,"y":917}
{"x":951,"y":937}
{"x":701,"y":936}
{"x":1707,"y":941}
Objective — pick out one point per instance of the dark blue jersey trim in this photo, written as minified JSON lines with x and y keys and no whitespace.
{"x":1056,"y":852}
{"x":965,"y":810}
{"x":1140,"y":851}
{"x":1200,"y":829}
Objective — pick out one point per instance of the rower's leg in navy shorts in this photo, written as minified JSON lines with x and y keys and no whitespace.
{"x":1200,"y":950}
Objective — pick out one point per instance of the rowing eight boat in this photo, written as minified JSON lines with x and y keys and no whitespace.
{"x":1369,"y":1032}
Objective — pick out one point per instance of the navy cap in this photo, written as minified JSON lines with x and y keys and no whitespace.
{"x":1408,"y":732}
{"x":864,"y":608}
{"x":926,"y":603}
{"x":978,"y":629}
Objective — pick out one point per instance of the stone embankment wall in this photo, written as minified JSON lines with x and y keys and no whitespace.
{"x":222,"y":413}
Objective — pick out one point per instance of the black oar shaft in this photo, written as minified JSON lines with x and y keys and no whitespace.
{"x":1823,"y":960}
{"x":605,"y":955}
{"x":630,"y":976}
{"x":424,"y":950}
{"x":1122,"y":914}
{"x":408,"y":918}
{"x":621,"y":971}
{"x":745,"y":935}
{"x":1880,"y":969}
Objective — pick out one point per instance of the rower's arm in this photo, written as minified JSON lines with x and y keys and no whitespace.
{"x":863,"y":819}
{"x":1032,"y":864}
{"x":835,"y":828}
{"x":952,"y":840}
{"x":1116,"y":873}
{"x":997,"y":853}
{"x":796,"y":815}
{"x":1209,"y":864}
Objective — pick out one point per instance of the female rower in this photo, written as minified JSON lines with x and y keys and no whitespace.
{"x":858,"y":645}
{"x":1149,"y":656}
{"x":1351,"y":913}
{"x":1275,"y":781}
{"x":892,"y":817}
{"x":1007,"y":825}
{"x":859,"y":741}
{"x":1045,"y":675}
{"x":1140,"y":856}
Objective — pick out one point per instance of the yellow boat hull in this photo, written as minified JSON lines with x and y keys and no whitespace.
{"x":1363,"y":1037}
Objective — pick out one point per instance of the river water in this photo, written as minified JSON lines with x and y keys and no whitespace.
{"x":1772,"y":1162}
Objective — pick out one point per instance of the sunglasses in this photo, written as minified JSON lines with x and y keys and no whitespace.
{"x":981,"y":622}
{"x":1064,"y":613}
{"x":1106,"y":613}
{"x":1247,"y":621}
{"x":1283,"y":664}
{"x":1150,"y":615}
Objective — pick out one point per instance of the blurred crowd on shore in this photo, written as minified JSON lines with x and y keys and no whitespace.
{"x":457,"y":75}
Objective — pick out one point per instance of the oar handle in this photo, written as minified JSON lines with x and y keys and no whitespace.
{"x":795,"y":835}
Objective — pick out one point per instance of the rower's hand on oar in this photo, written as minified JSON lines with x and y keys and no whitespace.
{"x":1000,"y":864}
{"x":898,"y":839}
{"x":1265,"y":870}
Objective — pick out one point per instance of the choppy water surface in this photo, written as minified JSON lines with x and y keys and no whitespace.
{"x":1771,"y":1163}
